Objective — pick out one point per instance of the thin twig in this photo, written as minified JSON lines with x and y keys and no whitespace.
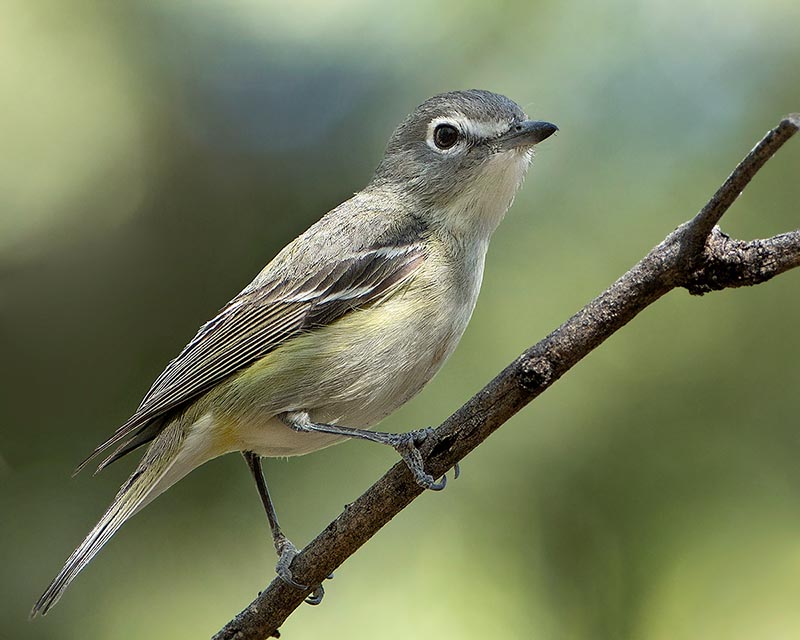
{"x":725,"y":196}
{"x":696,"y":256}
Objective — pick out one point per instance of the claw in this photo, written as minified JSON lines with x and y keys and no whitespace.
{"x":288,"y":552}
{"x":456,"y":471}
{"x":316,"y":596}
{"x":406,"y":445}
{"x":438,"y":486}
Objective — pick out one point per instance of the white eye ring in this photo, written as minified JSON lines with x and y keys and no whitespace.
{"x":439,"y":135}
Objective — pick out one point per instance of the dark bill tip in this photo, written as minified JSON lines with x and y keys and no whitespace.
{"x":541,"y":130}
{"x":528,"y":133}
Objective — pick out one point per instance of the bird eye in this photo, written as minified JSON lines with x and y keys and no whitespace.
{"x":445,"y":136}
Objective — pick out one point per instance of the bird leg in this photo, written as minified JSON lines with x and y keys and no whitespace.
{"x":283,"y":546}
{"x":406,"y":444}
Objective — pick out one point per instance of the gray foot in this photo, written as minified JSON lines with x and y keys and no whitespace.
{"x":407,"y":445}
{"x":287,"y":553}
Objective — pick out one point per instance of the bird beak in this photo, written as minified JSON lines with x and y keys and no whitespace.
{"x":526,"y":134}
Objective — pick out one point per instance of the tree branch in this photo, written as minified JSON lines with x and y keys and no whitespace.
{"x":697,"y":256}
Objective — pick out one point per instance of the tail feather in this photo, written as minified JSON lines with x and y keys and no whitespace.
{"x":130,"y":442}
{"x":141,"y":438}
{"x":144,"y":485}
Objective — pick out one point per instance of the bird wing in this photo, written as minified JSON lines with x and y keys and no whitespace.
{"x":259,"y":320}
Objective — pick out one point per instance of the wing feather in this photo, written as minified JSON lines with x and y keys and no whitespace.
{"x":258,"y":321}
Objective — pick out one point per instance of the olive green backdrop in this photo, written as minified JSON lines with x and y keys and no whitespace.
{"x":156,"y":154}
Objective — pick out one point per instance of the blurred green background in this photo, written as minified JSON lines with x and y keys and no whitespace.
{"x":156,"y":154}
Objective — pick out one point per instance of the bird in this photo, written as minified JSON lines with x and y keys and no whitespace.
{"x":347,"y":323}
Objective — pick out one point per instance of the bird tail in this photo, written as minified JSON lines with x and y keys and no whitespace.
{"x":156,"y":472}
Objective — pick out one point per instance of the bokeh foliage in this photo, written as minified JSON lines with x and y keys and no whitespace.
{"x":156,"y":154}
